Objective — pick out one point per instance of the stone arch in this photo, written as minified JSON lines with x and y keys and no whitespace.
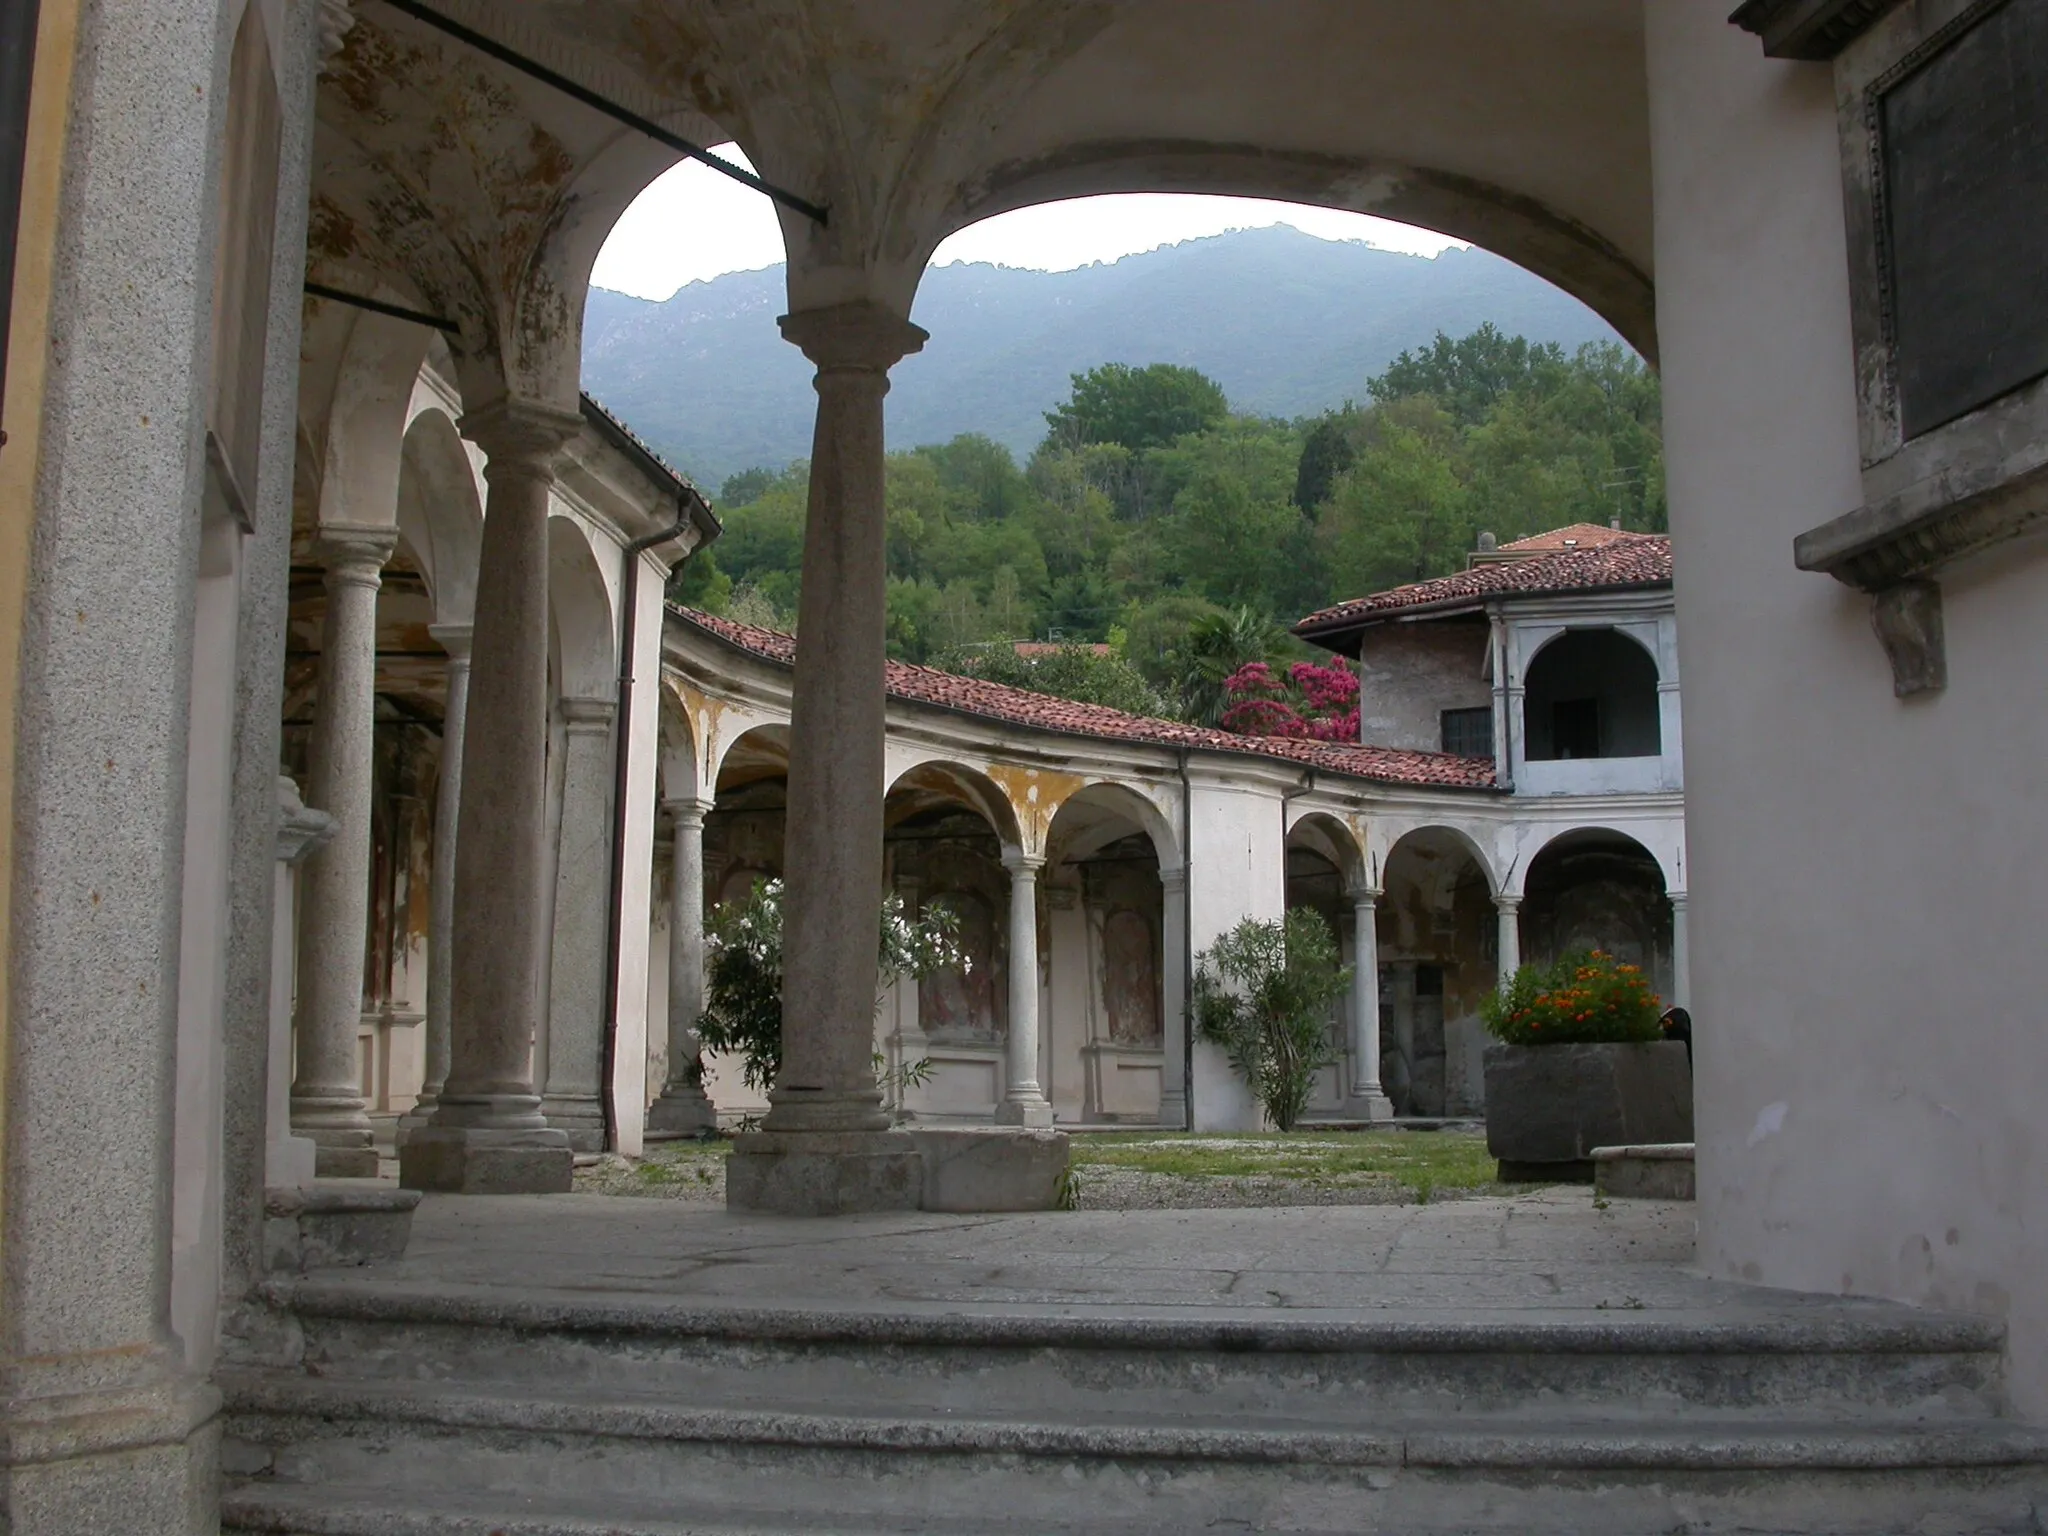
{"x":1593,"y":887}
{"x":1379,"y":858}
{"x":1331,"y":839}
{"x":939,"y":779}
{"x":1665,"y":857}
{"x":440,"y":514}
{"x":1591,"y":693}
{"x":1122,"y":800}
{"x":360,"y":426}
{"x":678,"y":761}
{"x":1436,"y":934}
{"x":585,"y":630}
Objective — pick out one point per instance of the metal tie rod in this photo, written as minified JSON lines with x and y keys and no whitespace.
{"x":609,"y":108}
{"x":379,"y":307}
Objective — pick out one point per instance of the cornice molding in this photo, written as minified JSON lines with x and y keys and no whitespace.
{"x":1808,"y":29}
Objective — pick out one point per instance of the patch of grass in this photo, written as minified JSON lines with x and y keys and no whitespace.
{"x":1424,"y":1163}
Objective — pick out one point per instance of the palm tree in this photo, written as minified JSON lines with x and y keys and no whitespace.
{"x":1212,"y":650}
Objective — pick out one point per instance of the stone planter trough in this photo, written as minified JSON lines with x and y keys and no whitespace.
{"x":1549,"y":1106}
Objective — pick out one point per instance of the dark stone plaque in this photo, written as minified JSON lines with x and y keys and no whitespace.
{"x":1965,"y":197}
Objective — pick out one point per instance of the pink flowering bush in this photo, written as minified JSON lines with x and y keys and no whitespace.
{"x":1309,"y":702}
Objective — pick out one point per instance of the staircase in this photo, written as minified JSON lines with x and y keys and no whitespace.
{"x":416,"y":1412}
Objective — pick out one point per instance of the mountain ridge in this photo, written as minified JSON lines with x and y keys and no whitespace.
{"x":1290,"y":325}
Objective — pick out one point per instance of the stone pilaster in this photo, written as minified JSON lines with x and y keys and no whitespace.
{"x":1024,"y":1102}
{"x":1510,"y":910}
{"x":327,"y":1098}
{"x":833,"y":836}
{"x":683,"y":1109}
{"x":487,"y":1135}
{"x":1367,"y":1100}
{"x":454,"y":639}
{"x":288,"y":1160}
{"x":574,"y":1098}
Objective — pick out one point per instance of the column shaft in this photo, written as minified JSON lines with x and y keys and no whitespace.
{"x":1024,"y":1103}
{"x":487,"y":1134}
{"x":1368,"y":1100}
{"x":683,"y":1109}
{"x":1510,"y":910}
{"x":574,"y":1102}
{"x":1173,"y":1066}
{"x":454,"y":639}
{"x":327,"y":1099}
{"x":1681,"y":954}
{"x":833,"y":832}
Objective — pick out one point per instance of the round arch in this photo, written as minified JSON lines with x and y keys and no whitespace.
{"x":1570,"y":833}
{"x":677,"y":762}
{"x":941,"y":781}
{"x":1434,"y":839}
{"x":440,"y":514}
{"x":1591,"y":693}
{"x":1328,"y":836}
{"x":580,"y":604}
{"x":761,"y":752}
{"x":1594,"y":887}
{"x":1113,"y":800}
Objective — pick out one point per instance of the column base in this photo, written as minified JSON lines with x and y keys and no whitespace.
{"x":343,"y":1146}
{"x":111,"y":1460}
{"x":475,"y":1160}
{"x":1033,"y":1114}
{"x":579,"y":1116}
{"x":1371,"y":1107}
{"x":680,"y":1113}
{"x":824,"y":1173}
{"x":413,"y":1119}
{"x":810,"y":1111}
{"x":1173,"y":1110}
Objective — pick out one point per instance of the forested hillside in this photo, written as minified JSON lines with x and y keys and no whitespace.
{"x":1155,"y":513}
{"x":1288,"y":324}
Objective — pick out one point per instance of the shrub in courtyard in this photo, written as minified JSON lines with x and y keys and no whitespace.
{"x":1263,"y":993}
{"x":1586,"y":997}
{"x":1311,"y":702}
{"x":744,"y":973}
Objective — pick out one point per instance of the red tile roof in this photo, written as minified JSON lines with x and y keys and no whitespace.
{"x":1630,"y":560}
{"x":1045,"y":712}
{"x":1572,"y":536}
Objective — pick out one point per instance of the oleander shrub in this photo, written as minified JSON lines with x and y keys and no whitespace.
{"x":1263,"y":993}
{"x":1587,"y":997}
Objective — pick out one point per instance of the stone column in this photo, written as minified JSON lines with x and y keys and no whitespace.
{"x":1025,"y":1102}
{"x":833,"y":836}
{"x":487,"y":1135}
{"x":327,"y":1096}
{"x":1367,"y":1100}
{"x":1173,"y":952}
{"x":454,"y":639}
{"x":1510,"y":910}
{"x":1681,"y":954}
{"x":683,"y":1109}
{"x":574,"y":1100}
{"x":288,"y":1160}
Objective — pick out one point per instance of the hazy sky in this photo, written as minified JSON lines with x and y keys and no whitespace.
{"x":694,"y":223}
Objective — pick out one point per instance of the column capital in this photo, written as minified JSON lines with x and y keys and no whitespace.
{"x":860,"y":336}
{"x":587,"y":717}
{"x":1174,"y":879}
{"x":300,"y":828}
{"x":1506,"y":904}
{"x":1022,"y":865}
{"x":686,"y":810}
{"x":520,"y":437}
{"x":453,"y":638}
{"x":1365,"y":895}
{"x":1676,"y":898}
{"x":355,"y":552}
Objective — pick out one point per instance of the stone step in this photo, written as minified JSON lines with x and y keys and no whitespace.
{"x":471,"y":1466}
{"x":1837,"y":1362}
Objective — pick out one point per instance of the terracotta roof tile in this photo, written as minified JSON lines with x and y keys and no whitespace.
{"x":1632,"y":560}
{"x":1043,"y":711}
{"x":1571,"y":536}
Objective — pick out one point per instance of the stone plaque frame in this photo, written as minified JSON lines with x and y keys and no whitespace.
{"x":1953,"y":489}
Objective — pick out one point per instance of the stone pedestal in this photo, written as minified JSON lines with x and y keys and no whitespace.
{"x":336,"y":1224}
{"x":1024,"y":1102}
{"x":1548,"y":1107}
{"x":327,"y":1103}
{"x":825,"y":1173}
{"x":683,"y":1108}
{"x":487,"y":1135}
{"x":976,"y":1168}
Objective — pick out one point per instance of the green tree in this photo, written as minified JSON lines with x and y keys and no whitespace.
{"x":1139,"y":408}
{"x":1214,"y":647}
{"x":1263,"y":992}
{"x":1078,"y":672}
{"x":1471,"y":375}
{"x":1401,"y":512}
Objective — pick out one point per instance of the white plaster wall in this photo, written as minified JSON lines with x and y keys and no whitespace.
{"x":1867,"y":874}
{"x":1237,"y":869}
